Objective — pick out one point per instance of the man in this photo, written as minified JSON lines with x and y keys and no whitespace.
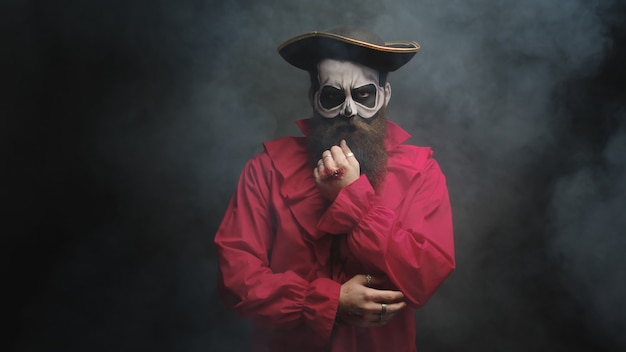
{"x":333,"y":239}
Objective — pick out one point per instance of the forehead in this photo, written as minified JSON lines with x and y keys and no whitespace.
{"x":345,"y":72}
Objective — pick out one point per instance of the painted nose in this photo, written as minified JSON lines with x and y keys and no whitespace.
{"x":349,"y":108}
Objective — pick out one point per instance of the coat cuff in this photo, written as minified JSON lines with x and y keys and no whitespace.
{"x":320,"y":307}
{"x":351,"y":204}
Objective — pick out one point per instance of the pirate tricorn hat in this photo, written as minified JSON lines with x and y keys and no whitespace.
{"x":347,"y":44}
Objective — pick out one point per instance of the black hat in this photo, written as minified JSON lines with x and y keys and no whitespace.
{"x":349,"y":44}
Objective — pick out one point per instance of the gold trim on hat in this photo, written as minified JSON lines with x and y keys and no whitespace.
{"x":411,"y":45}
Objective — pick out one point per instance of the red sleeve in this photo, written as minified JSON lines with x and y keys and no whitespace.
{"x":247,"y":284}
{"x":412,"y":245}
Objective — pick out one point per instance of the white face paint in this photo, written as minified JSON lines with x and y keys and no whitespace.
{"x":349,"y":89}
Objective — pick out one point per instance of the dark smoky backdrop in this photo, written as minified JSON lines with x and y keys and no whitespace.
{"x":125,"y":125}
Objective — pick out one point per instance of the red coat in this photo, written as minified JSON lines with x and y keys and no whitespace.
{"x":274,"y":246}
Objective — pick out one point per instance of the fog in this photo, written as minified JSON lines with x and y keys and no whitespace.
{"x":125,"y":127}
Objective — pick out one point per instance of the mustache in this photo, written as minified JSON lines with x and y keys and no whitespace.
{"x":343,"y":125}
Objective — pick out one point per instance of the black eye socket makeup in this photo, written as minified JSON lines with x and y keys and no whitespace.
{"x":331,"y":97}
{"x":365,"y":95}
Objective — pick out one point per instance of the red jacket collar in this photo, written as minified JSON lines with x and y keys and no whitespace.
{"x":291,"y":157}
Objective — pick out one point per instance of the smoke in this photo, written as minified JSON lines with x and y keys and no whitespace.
{"x":588,"y":226}
{"x":130,"y":123}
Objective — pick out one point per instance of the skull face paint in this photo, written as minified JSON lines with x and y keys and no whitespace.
{"x":348,"y":89}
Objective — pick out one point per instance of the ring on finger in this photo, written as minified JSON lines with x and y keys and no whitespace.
{"x":383,"y":310}
{"x":349,"y":155}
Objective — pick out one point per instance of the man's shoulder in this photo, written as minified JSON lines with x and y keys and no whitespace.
{"x":284,"y":142}
{"x":278,"y":150}
{"x":413,"y":156}
{"x":285,"y":147}
{"x":287,"y":155}
{"x":409,"y":163}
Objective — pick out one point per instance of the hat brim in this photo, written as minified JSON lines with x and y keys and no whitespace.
{"x":306,"y":50}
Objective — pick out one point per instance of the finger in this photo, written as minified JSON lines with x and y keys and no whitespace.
{"x":377,"y":308}
{"x":385,"y":296}
{"x":327,"y":173}
{"x":344,"y":146}
{"x":338,"y":156}
{"x":329,"y":163}
{"x":316,"y":171}
{"x":377,"y":314}
{"x":321,"y":173}
{"x":347,"y":151}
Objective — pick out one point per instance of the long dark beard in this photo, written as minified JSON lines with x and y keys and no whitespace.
{"x":365,"y":137}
